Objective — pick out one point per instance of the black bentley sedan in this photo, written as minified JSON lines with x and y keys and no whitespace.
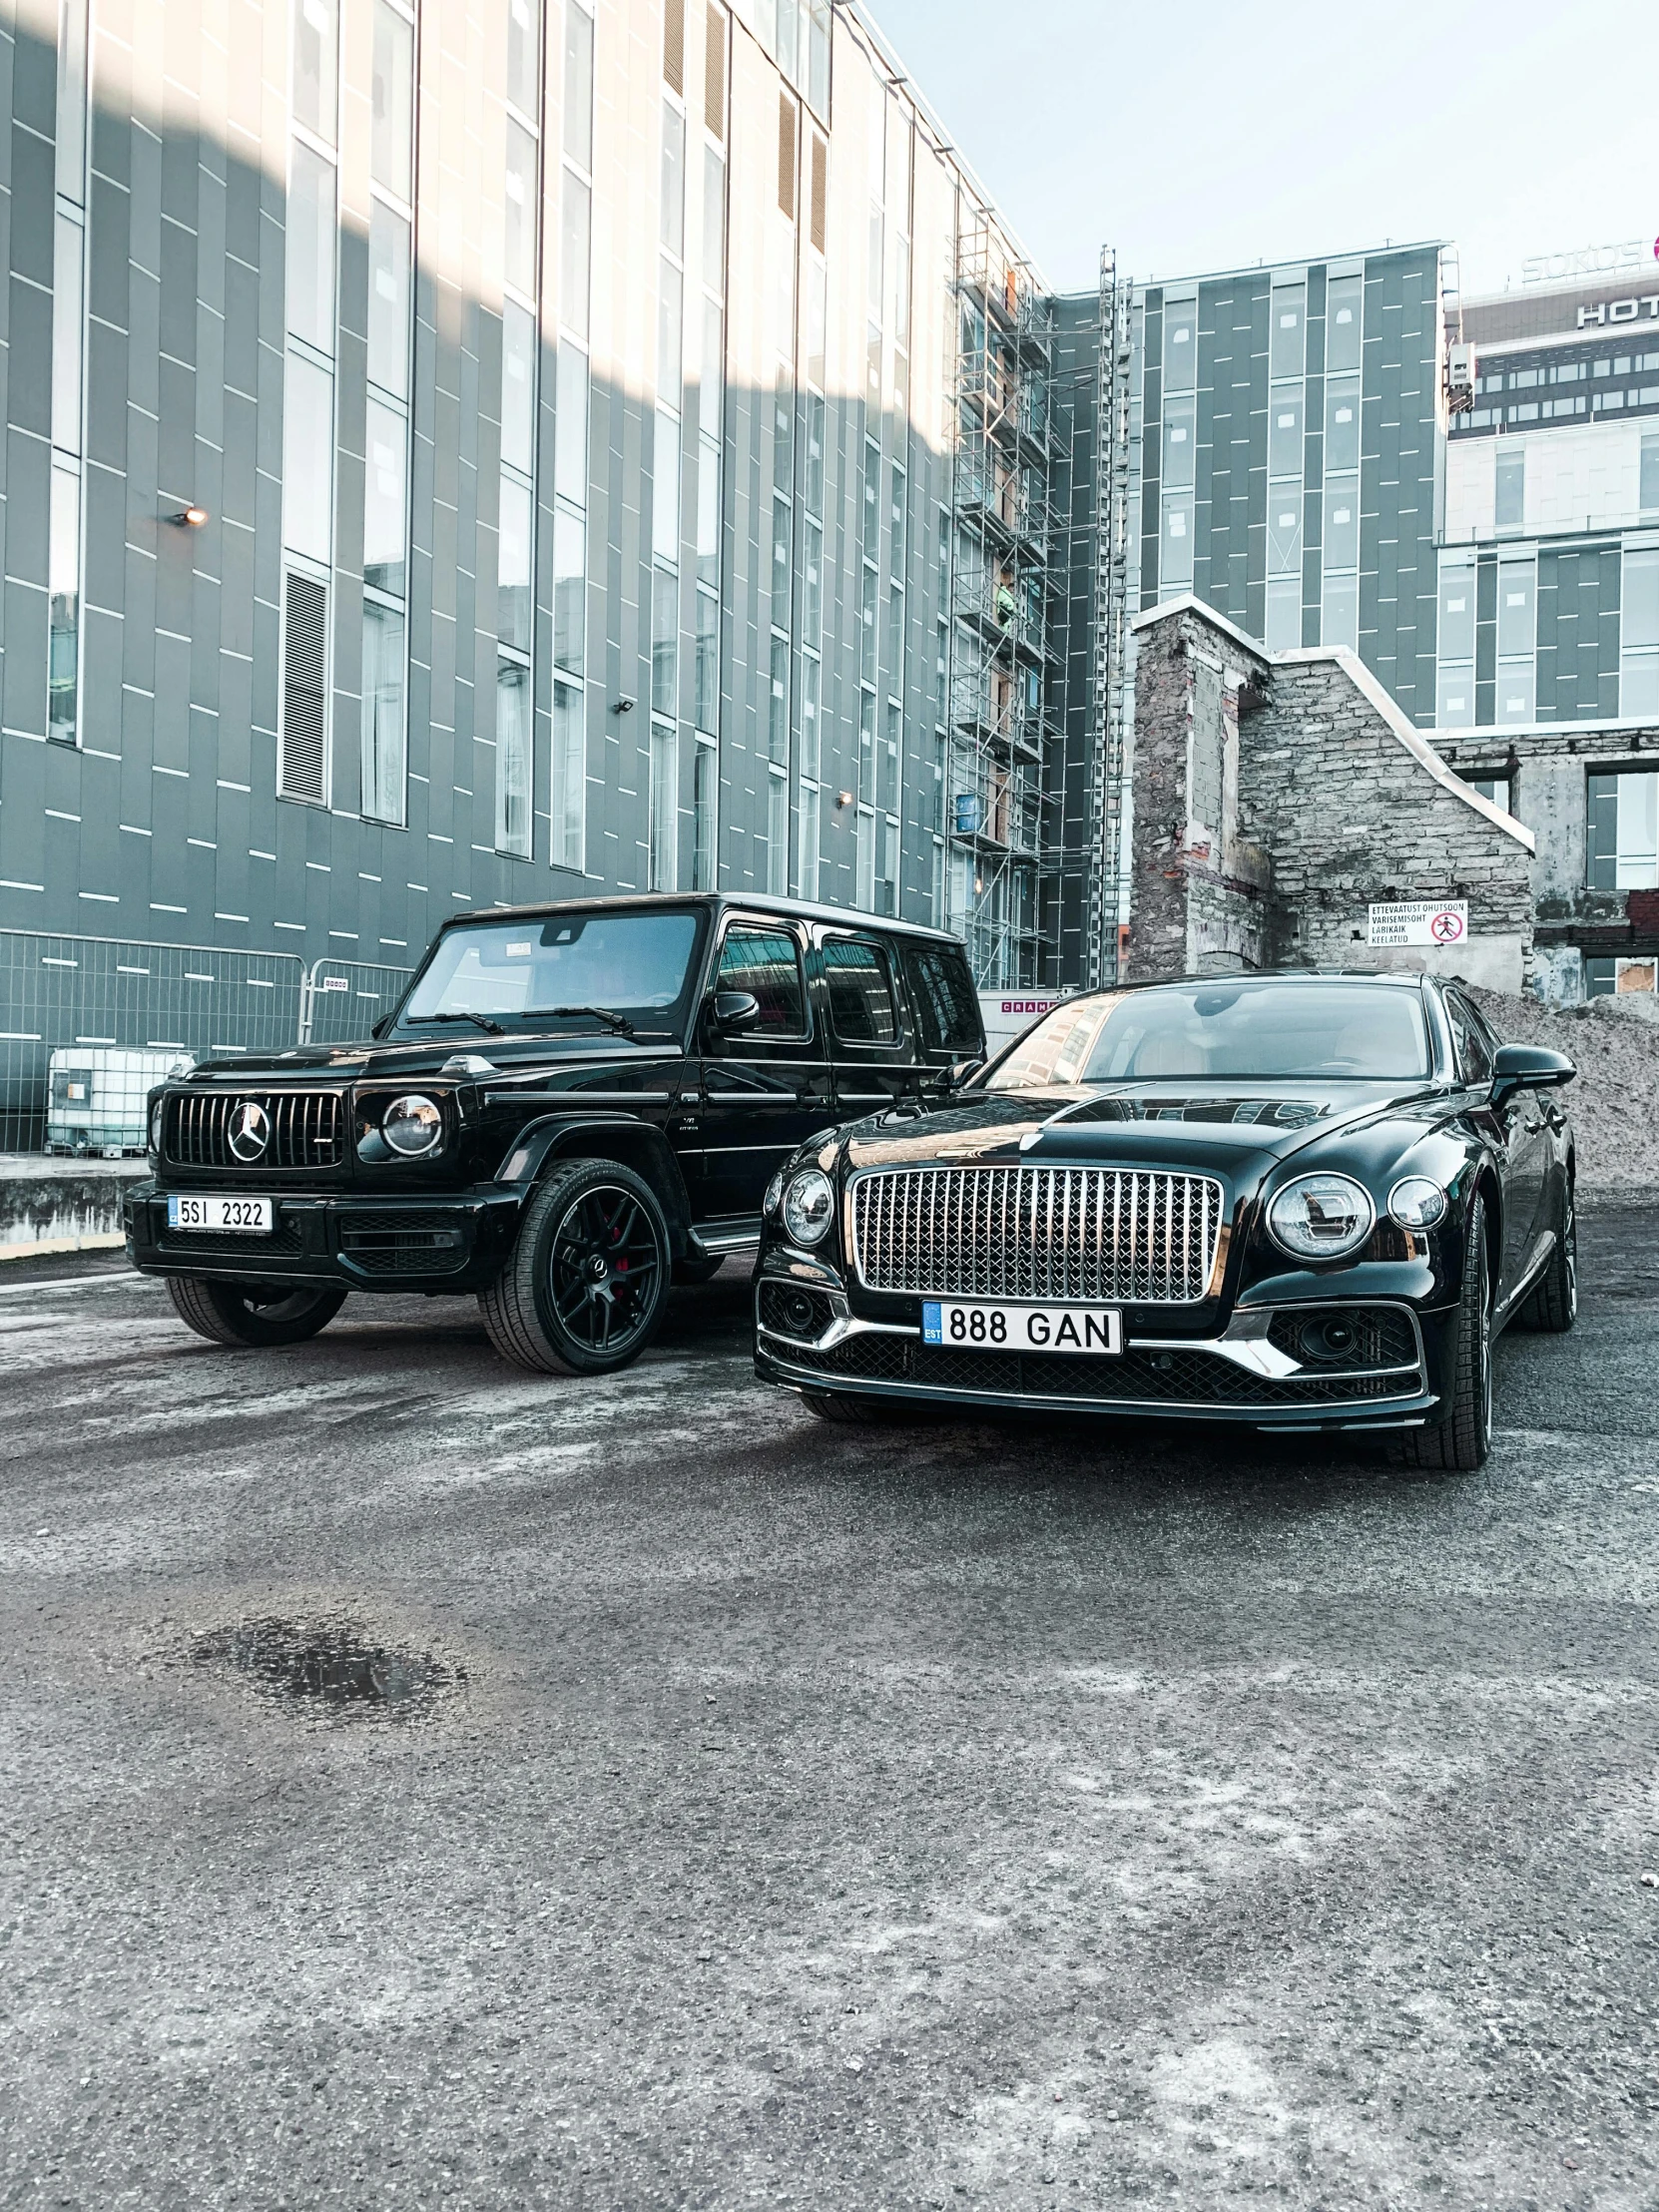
{"x":1305,"y":1202}
{"x":573,"y":1104}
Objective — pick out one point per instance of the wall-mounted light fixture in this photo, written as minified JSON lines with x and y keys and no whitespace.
{"x":190,"y":518}
{"x":624,"y":706}
{"x":843,"y":798}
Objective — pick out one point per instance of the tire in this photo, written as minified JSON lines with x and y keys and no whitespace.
{"x":861,"y":1413}
{"x":586,"y":1283}
{"x":254,"y":1313}
{"x":690,"y":1272}
{"x":1462,"y":1440}
{"x":1552,"y":1303}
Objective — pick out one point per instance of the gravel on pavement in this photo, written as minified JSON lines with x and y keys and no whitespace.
{"x":425,"y":1784}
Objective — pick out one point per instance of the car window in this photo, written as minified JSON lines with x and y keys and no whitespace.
{"x":766,"y":964}
{"x":861,"y":1005}
{"x":1474,"y":1058}
{"x":945,"y":1004}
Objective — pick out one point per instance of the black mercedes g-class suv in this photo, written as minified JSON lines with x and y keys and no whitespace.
{"x":572,"y":1105}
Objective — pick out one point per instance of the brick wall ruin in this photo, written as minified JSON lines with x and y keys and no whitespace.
{"x":1276,"y":797}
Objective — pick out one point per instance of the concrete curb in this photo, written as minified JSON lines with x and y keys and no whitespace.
{"x":59,"y":1204}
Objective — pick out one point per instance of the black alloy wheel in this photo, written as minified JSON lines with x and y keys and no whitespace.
{"x":254,"y":1313}
{"x":1462,"y":1439}
{"x":584,"y":1287}
{"x":1552,"y":1303}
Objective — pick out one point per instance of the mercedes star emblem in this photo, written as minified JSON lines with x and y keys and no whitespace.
{"x":249,"y":1130}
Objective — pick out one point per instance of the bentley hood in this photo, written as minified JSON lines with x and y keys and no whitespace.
{"x":1236,"y":1131}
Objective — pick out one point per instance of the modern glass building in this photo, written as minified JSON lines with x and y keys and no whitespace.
{"x":467,"y":451}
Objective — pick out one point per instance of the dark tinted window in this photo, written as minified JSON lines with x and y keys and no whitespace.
{"x":766,"y":963}
{"x":946,"y":1006}
{"x":1474,"y":1058}
{"x":860,"y":992}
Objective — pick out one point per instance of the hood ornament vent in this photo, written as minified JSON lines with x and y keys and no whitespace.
{"x":468,"y":1063}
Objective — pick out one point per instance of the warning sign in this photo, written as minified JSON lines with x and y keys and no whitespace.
{"x":1442,"y":922}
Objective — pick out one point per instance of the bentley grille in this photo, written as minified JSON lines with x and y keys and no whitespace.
{"x":302,"y":1130}
{"x":1124,"y":1235}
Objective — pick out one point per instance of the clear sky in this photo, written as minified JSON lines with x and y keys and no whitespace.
{"x":1224,"y":132}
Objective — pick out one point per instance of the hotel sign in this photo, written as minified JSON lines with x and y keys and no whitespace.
{"x":1643,"y":308}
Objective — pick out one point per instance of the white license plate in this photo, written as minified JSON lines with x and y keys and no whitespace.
{"x":250,"y":1216}
{"x":1096,"y":1328}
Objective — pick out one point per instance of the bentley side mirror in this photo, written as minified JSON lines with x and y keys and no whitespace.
{"x":961,"y":1071}
{"x":736,"y":1012}
{"x":1529,"y":1067}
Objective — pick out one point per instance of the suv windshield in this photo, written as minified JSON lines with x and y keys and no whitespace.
{"x":639,"y":967}
{"x":1221,"y":1031}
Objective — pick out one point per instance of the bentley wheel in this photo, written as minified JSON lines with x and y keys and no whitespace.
{"x":584,"y":1287}
{"x":1553,"y":1303}
{"x":1462,"y":1440}
{"x":254,"y":1313}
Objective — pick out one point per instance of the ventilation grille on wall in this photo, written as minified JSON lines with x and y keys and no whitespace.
{"x":821,"y":191}
{"x":304,"y":688}
{"x":714,"y":74}
{"x":785,"y":155}
{"x":674,"y":44}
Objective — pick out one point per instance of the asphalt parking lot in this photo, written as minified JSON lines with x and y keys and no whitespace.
{"x":708,"y":1808}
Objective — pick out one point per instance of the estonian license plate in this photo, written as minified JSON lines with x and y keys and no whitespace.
{"x":1097,"y":1328}
{"x":251,"y":1216}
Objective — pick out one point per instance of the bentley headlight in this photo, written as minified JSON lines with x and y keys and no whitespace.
{"x":808,"y":1207}
{"x":1416,"y":1203}
{"x":1322,"y":1217}
{"x":413,"y":1125}
{"x":775,"y":1191}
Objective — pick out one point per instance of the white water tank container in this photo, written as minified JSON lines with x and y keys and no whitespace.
{"x":97,"y":1098}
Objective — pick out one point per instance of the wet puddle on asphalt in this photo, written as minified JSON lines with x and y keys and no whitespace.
{"x":330,"y":1666}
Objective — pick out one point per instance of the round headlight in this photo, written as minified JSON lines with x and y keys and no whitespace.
{"x":1322,"y":1217}
{"x":412,"y":1126}
{"x":775,"y":1191}
{"x":808,"y":1207}
{"x":1416,"y":1203}
{"x":157,"y":1112}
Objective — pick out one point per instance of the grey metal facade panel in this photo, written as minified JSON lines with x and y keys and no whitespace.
{"x":1230,"y":534}
{"x":1578,"y":633}
{"x":1399,"y":396}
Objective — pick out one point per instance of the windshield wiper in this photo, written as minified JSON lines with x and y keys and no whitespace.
{"x":483,"y":1022}
{"x":619,"y":1023}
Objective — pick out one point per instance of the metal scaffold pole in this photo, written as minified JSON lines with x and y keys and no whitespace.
{"x":1110,"y":617}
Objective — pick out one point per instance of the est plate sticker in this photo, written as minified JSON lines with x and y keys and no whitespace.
{"x":247,"y":1214}
{"x":1095,"y":1329}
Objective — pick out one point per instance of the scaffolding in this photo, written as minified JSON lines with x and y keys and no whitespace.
{"x":1001,"y":658}
{"x":1109,"y":791}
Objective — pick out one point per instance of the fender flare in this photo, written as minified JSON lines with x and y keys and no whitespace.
{"x":639,"y":1145}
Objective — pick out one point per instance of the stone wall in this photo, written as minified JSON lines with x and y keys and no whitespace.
{"x":1277,"y":798}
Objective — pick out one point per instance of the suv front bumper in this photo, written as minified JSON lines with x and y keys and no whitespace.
{"x":454,"y":1242}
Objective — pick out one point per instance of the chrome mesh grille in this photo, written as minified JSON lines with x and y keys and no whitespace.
{"x":1125,"y":1236}
{"x":305,"y":1129}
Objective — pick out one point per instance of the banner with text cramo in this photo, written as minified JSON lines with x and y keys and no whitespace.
{"x":1442,"y":922}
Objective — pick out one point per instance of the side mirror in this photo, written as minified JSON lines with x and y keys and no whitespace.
{"x":382,"y":1025}
{"x":736,"y":1012}
{"x":961,"y":1071}
{"x":1529,"y":1067}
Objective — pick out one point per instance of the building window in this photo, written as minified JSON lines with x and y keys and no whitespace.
{"x":303,"y":770}
{"x":1344,"y":302}
{"x":1639,"y":633}
{"x":1517,"y":616}
{"x":1454,"y":706}
{"x":1622,"y":845}
{"x":1648,"y":482}
{"x":63,"y":553}
{"x":569,"y":798}
{"x":1509,"y":488}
